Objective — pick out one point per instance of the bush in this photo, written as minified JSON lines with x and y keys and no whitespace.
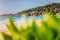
{"x":48,"y":30}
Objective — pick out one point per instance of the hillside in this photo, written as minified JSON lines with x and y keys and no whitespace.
{"x":53,"y":8}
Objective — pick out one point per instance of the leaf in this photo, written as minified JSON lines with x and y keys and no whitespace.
{"x":6,"y":37}
{"x":11,"y":27}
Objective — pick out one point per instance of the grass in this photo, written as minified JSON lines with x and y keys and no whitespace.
{"x":49,"y":29}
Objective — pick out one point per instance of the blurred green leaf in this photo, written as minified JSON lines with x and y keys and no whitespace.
{"x":49,"y":29}
{"x":6,"y":37}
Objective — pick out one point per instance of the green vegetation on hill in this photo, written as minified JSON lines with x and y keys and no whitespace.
{"x":53,"y":8}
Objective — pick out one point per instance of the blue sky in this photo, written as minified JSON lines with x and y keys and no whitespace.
{"x":14,"y":6}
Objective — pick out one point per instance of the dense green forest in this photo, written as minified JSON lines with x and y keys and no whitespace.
{"x":53,"y":8}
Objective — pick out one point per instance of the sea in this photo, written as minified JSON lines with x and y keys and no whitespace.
{"x":4,"y":19}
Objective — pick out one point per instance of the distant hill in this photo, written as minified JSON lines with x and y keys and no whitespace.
{"x":53,"y":8}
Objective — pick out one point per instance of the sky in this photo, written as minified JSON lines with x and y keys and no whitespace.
{"x":14,"y":6}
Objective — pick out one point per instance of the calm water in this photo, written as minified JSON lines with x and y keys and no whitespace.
{"x":3,"y":19}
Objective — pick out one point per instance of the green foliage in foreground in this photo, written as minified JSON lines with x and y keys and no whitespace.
{"x":48,"y":30}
